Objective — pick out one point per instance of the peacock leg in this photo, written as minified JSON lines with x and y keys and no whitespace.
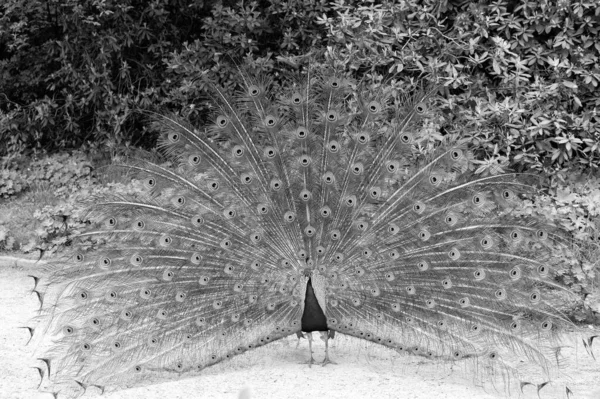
{"x":310,"y":339}
{"x":300,"y":336}
{"x":325,"y":335}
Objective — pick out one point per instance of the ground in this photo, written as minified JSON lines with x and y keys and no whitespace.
{"x":363,"y":369}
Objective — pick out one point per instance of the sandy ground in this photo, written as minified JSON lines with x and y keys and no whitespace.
{"x":363,"y":370}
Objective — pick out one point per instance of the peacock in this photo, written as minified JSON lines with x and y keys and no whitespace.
{"x":313,"y":203}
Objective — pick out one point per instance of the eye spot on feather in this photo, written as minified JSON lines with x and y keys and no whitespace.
{"x":212,"y":186}
{"x":270,"y":121}
{"x":254,"y":91}
{"x":515,"y":273}
{"x":456,"y":154}
{"x":180,"y":296}
{"x":104,"y":262}
{"x":419,"y":207}
{"x":464,"y":302}
{"x":110,"y":222}
{"x":320,"y":250}
{"x":515,"y":236}
{"x":262,"y":209}
{"x":515,"y":326}
{"x":447,"y":283}
{"x":150,"y":182}
{"x":535,"y":297}
{"x":361,"y":225}
{"x":477,"y":199}
{"x":226,"y":243}
{"x":542,"y":271}
{"x":451,"y":219}
{"x":126,"y":315}
{"x":309,"y":231}
{"x":305,"y":160}
{"x":196,"y":258}
{"x":359,"y":271}
{"x":410,"y":290}
{"x":229,"y":213}
{"x":82,"y":295}
{"x":111,"y":296}
{"x":500,"y":294}
{"x":508,"y":194}
{"x":165,"y":241}
{"x":201,"y":321}
{"x":228,"y":269}
{"x":237,"y":151}
{"x":301,"y":132}
{"x":546,"y":325}
{"x":393,"y":229}
{"x":136,"y":259}
{"x":423,"y":265}
{"x":94,"y":323}
{"x":269,"y":152}
{"x":79,"y":258}
{"x":367,"y":252}
{"x":424,"y":235}
{"x":434,"y":180}
{"x":406,"y":138}
{"x":217,"y":304}
{"x":305,"y":195}
{"x":246,"y":178}
{"x":375,"y":193}
{"x":194,"y":160}
{"x":454,"y":254}
{"x":392,"y":166}
{"x":486,"y":242}
{"x":222,"y":121}
{"x":68,"y":330}
{"x":350,"y":201}
{"x":357,"y":168}
{"x":421,"y":108}
{"x":479,"y":274}
{"x":430,"y":303}
{"x":390,"y":276}
{"x":374,"y":107}
{"x":276,"y":184}
{"x":255,"y":238}
{"x":145,"y":293}
{"x":289,"y":216}
{"x":363,"y":138}
{"x":296,"y":99}
{"x":173,"y":137}
{"x":333,"y":146}
{"x":197,"y":220}
{"x":168,"y":275}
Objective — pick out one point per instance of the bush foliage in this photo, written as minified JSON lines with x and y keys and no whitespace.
{"x":519,"y":78}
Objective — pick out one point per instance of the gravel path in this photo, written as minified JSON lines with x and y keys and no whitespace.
{"x":363,"y":370}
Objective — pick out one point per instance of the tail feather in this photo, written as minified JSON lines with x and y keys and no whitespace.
{"x":405,"y":245}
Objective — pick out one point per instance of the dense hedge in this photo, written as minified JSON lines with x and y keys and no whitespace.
{"x":520,"y":78}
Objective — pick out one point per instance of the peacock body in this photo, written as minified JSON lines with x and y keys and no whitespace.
{"x":326,"y":187}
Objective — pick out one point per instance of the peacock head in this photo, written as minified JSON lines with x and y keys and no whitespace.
{"x":309,"y":269}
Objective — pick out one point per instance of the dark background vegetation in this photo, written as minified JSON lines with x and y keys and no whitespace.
{"x":519,"y":83}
